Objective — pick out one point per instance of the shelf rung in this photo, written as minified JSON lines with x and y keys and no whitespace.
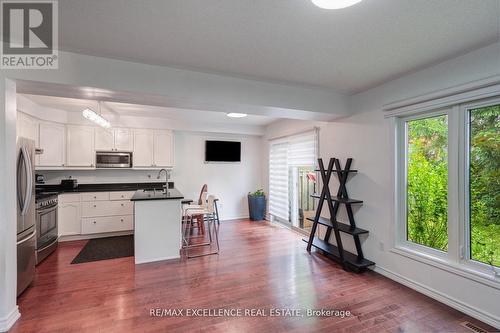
{"x":350,"y":258}
{"x":347,"y":201}
{"x":342,"y":171}
{"x":346,"y":228}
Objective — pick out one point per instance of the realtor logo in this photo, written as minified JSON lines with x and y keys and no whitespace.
{"x":29,"y":34}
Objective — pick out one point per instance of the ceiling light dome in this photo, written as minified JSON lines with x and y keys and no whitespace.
{"x":236,"y":115}
{"x":334,"y":4}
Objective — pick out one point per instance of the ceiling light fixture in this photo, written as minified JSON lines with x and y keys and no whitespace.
{"x":236,"y":115}
{"x":96,"y":117}
{"x":335,"y":4}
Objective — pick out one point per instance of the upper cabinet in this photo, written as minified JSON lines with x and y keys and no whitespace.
{"x":75,"y":146}
{"x":153,"y":148}
{"x":163,"y":148}
{"x":53,"y":143}
{"x":119,"y":139}
{"x":104,"y":139}
{"x":124,"y":141}
{"x":143,"y":149}
{"x":27,"y":127}
{"x":80,"y":146}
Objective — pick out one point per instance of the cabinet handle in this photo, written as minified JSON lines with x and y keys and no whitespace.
{"x":95,"y":206}
{"x":95,"y":197}
{"x":123,"y":196}
{"x":122,"y":205}
{"x":121,"y":220}
{"x":95,"y":222}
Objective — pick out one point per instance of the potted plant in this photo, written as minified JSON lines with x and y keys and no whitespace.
{"x":257,"y":205}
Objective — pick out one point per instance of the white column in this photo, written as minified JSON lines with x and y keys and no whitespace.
{"x":9,"y":312}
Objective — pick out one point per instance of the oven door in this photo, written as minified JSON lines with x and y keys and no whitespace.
{"x":46,"y":226}
{"x":113,"y":160}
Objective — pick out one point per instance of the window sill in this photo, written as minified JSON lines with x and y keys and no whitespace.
{"x":463,"y":270}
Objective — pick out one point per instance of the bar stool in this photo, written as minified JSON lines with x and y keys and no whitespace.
{"x":209,"y":215}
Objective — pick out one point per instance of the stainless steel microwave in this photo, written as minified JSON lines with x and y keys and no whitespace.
{"x":113,"y":159}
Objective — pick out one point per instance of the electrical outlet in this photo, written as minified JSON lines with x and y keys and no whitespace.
{"x":381,"y":246}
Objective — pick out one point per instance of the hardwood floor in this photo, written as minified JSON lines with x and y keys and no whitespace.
{"x":260,"y":266}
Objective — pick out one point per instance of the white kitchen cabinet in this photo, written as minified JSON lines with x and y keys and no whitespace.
{"x":107,"y":208}
{"x":80,"y":146}
{"x":143,"y":149}
{"x":124,"y":141}
{"x":163,"y":148}
{"x":95,"y":225}
{"x":68,"y":218}
{"x":119,"y":139}
{"x":104,"y":139}
{"x":27,"y":127}
{"x":53,"y":143}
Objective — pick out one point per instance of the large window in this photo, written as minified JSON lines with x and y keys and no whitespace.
{"x":427,"y":182}
{"x":484,"y":184}
{"x":448,"y":186}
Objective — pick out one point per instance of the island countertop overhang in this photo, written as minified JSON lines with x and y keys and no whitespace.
{"x":171,"y":194}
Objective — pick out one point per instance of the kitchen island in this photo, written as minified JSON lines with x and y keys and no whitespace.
{"x":157,"y":229}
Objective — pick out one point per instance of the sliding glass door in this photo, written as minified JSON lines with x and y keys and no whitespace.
{"x":292,"y":179}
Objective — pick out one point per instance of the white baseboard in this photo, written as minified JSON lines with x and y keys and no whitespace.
{"x":246,"y":217}
{"x":67,"y":238}
{"x":144,"y":261}
{"x":485,"y":317}
{"x":9,"y":320}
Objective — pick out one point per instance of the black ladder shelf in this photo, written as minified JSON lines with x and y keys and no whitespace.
{"x":349,"y":261}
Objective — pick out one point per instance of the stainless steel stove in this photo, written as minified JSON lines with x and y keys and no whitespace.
{"x":46,"y":224}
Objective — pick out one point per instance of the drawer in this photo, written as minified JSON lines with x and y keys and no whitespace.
{"x":95,"y":196}
{"x":107,"y":208}
{"x":121,"y":195}
{"x":107,"y":224}
{"x":68,"y":198}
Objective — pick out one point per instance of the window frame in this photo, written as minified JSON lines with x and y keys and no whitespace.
{"x":402,"y":241}
{"x":464,"y":164}
{"x":457,"y":259}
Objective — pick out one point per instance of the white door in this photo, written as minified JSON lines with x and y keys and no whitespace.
{"x":143,"y":148}
{"x":104,"y":139}
{"x":123,"y":140}
{"x":53,"y":143}
{"x":69,"y":219}
{"x":81,"y":151}
{"x":163,"y":148}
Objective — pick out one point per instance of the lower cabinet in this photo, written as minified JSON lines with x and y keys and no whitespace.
{"x":68,"y":218}
{"x":95,"y":225}
{"x":95,"y":212}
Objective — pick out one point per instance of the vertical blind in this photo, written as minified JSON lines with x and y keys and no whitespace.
{"x":296,"y":150}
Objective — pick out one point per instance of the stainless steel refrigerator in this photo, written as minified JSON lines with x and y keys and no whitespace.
{"x":26,"y":232}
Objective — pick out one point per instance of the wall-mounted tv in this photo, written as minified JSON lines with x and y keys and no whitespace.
{"x":222,"y":151}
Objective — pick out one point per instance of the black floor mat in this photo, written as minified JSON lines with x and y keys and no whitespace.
{"x":106,"y":248}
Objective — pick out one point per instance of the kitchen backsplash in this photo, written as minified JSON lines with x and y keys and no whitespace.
{"x":102,"y":176}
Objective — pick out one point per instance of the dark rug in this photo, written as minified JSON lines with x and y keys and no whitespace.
{"x":106,"y":248}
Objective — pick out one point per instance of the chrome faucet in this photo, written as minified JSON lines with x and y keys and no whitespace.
{"x":167,"y":177}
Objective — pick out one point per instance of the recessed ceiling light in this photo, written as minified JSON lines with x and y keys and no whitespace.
{"x":237,"y":115}
{"x":334,"y":4}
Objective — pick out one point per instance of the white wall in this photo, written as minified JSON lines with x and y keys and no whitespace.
{"x":229,"y":181}
{"x":366,"y":137}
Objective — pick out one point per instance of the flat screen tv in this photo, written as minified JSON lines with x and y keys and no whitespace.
{"x":222,"y":151}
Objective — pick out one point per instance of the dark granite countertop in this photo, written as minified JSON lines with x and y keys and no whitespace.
{"x":102,"y":187}
{"x":172,"y":194}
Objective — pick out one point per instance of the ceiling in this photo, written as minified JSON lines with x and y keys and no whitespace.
{"x":285,"y":41}
{"x":136,"y":110}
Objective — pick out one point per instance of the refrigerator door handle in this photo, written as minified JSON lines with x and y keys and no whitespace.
{"x":29,"y":181}
{"x":27,"y":238}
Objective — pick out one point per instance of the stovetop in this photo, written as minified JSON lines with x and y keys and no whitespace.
{"x":44,"y":195}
